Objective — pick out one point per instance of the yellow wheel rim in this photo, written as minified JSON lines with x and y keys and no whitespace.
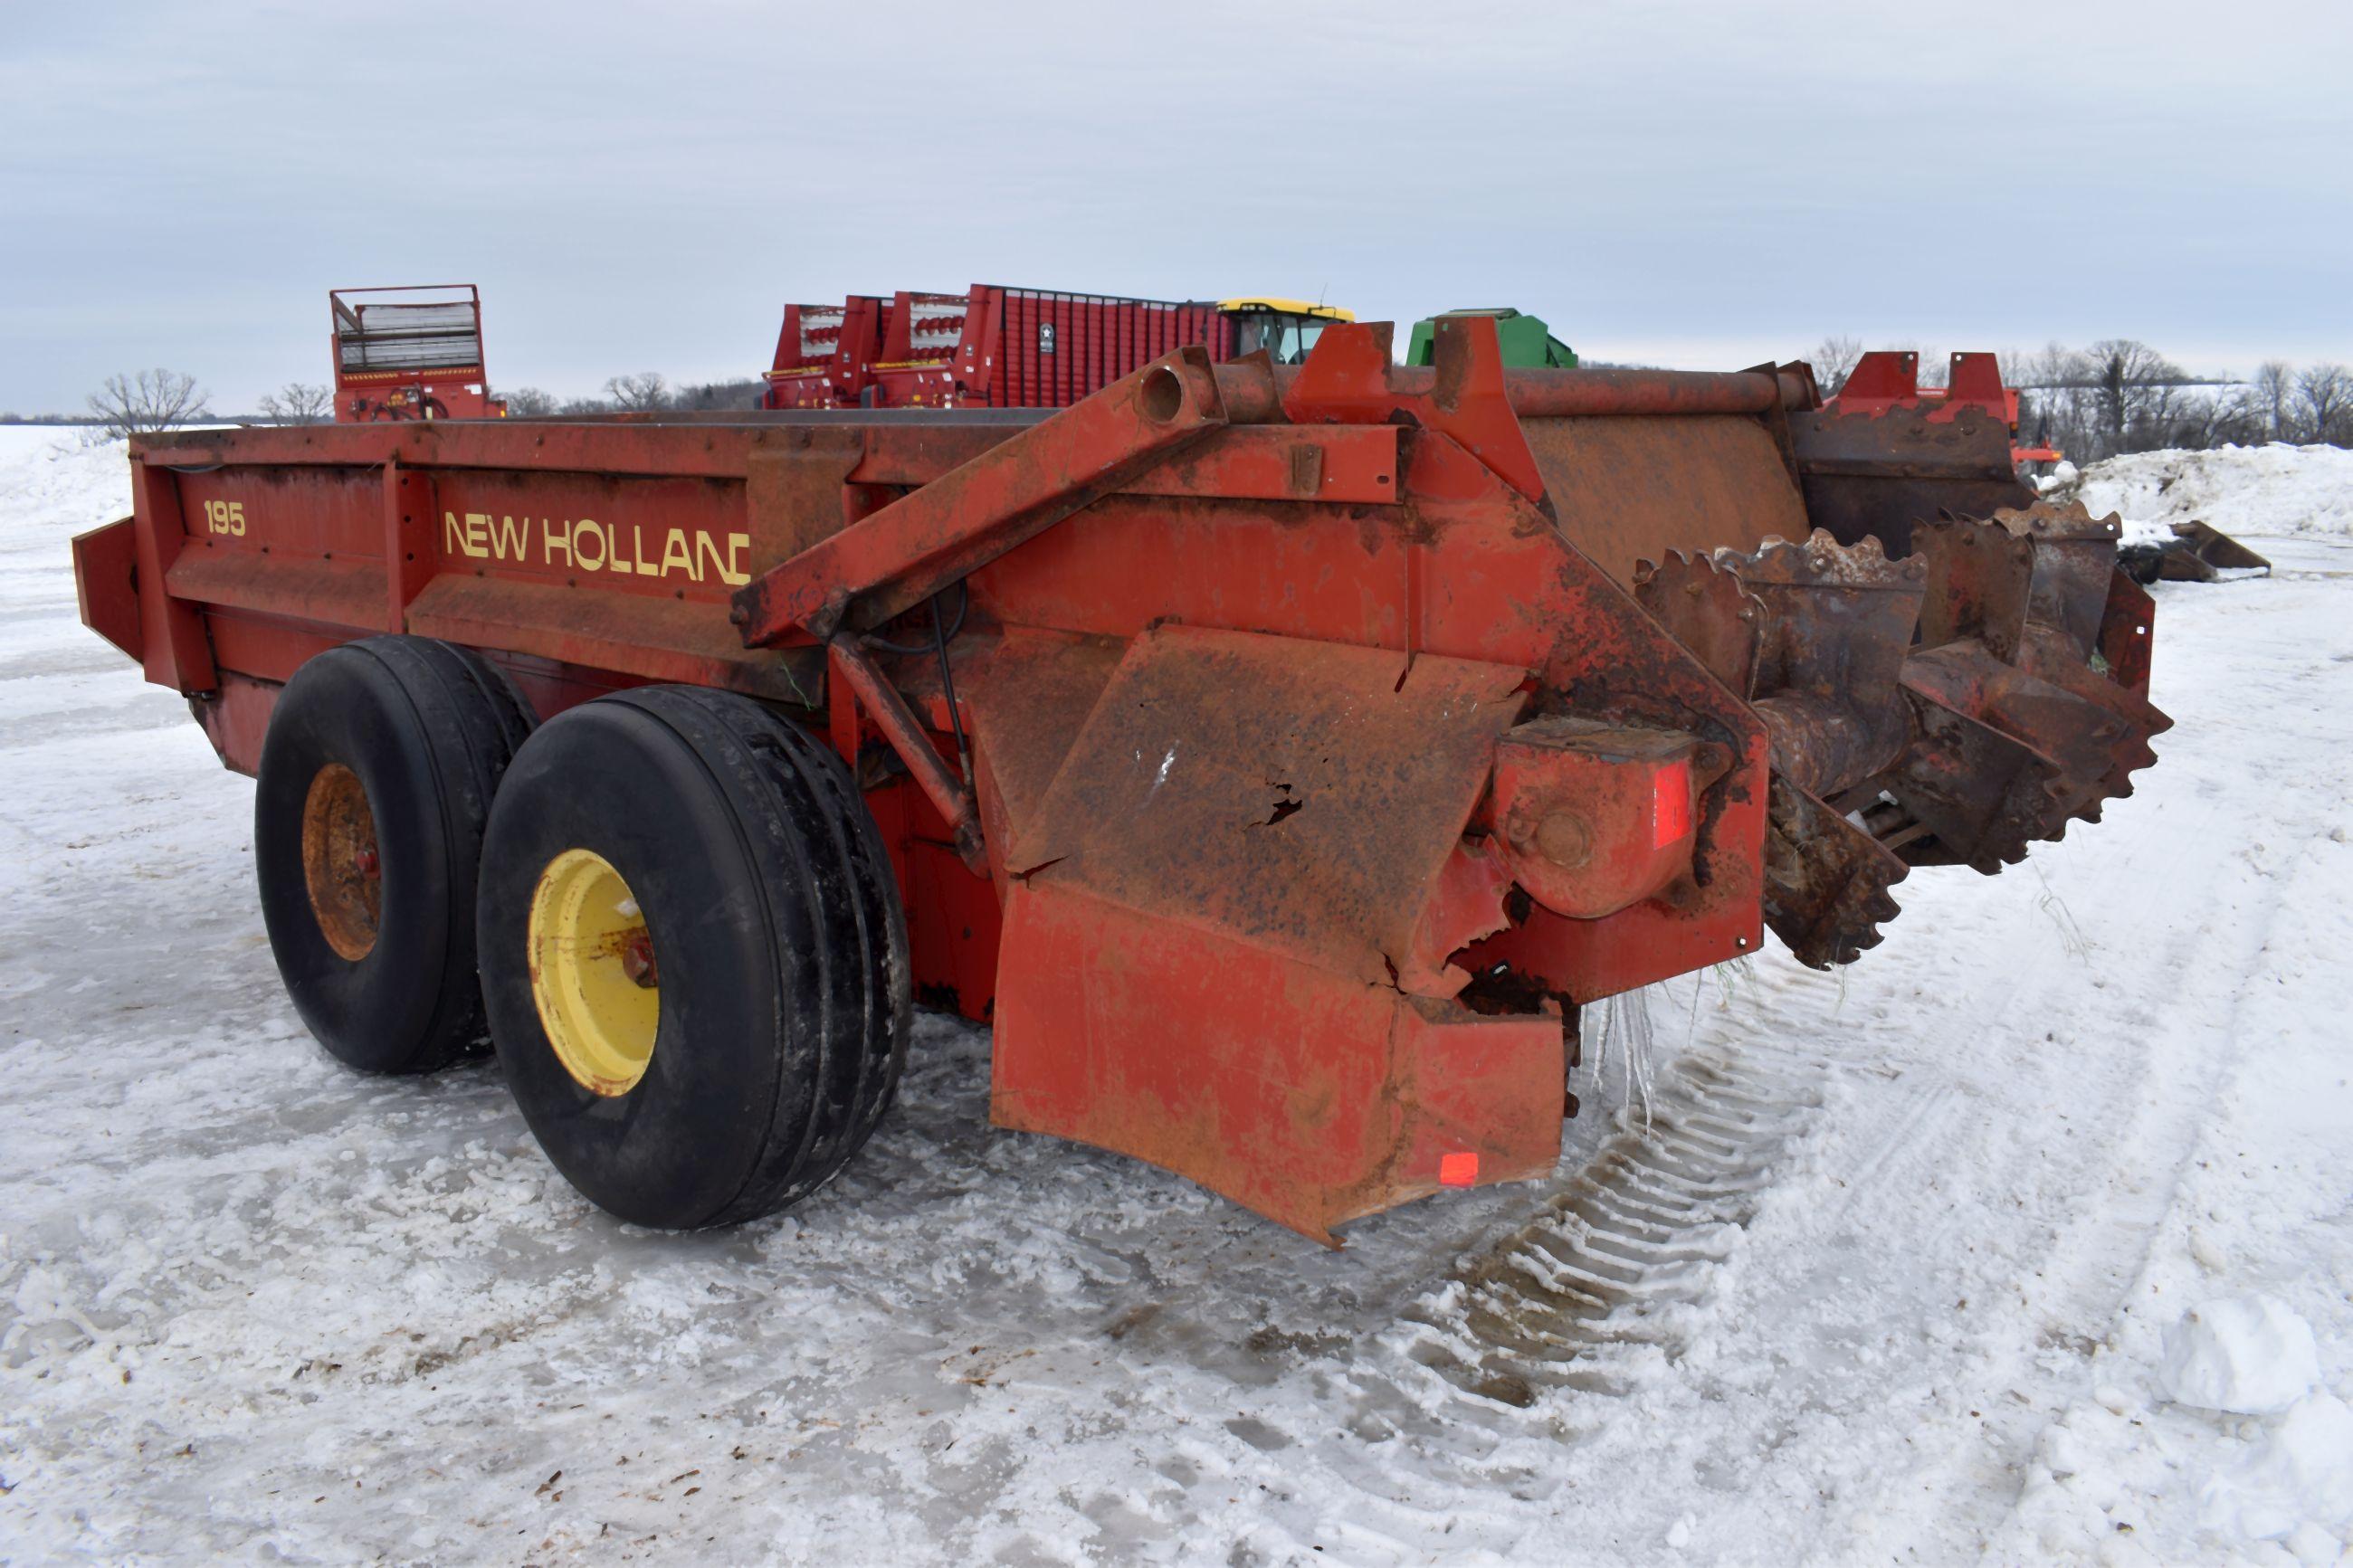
{"x":592,"y":975}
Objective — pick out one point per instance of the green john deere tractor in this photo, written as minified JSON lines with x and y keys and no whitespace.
{"x":1526,"y":341}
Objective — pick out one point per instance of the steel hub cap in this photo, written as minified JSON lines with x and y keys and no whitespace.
{"x":592,"y":974}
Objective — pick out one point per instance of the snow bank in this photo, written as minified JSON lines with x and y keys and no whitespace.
{"x":2277,"y":489}
{"x":2248,"y":1354}
{"x":61,"y":478}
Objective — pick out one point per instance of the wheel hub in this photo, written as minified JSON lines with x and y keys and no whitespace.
{"x":339,"y":861}
{"x":592,"y":974}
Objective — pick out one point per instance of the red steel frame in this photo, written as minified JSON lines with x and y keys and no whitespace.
{"x":1887,"y":380}
{"x":456,"y":390}
{"x":1380,"y":612}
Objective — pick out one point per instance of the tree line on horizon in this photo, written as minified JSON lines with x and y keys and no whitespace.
{"x":2116,"y":397}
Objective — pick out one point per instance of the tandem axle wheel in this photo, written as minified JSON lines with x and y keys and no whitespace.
{"x":372,"y":793}
{"x":693,"y":956}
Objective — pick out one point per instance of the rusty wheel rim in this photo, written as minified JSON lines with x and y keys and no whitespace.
{"x":340,"y":865}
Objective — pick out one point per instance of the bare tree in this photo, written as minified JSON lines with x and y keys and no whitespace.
{"x":645,"y":390}
{"x":2274,"y":393}
{"x":719,"y":395}
{"x":1833,"y":361}
{"x":2239,"y":419}
{"x":528,"y":402}
{"x":2134,"y":389}
{"x":2324,"y":394}
{"x":299,"y":403}
{"x":133,"y":404}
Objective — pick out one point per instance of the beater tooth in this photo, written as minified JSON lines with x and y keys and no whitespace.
{"x":1826,"y":880}
{"x":2010,"y":733}
{"x":1703,"y":603}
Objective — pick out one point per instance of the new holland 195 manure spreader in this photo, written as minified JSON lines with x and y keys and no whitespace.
{"x":1278,"y":756}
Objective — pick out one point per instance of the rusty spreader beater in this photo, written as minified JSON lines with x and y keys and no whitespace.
{"x":1277,"y":756}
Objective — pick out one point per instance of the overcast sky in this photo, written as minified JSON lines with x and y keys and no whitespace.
{"x":642,"y":188}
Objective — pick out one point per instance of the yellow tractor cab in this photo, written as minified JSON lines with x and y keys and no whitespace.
{"x":1286,"y":328}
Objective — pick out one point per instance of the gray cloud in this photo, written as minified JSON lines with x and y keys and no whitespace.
{"x":642,"y":188}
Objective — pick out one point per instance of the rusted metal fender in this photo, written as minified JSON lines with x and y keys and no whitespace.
{"x":1294,"y":794}
{"x":1304,"y":1095}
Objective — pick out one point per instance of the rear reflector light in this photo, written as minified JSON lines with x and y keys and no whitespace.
{"x":1671,"y":806}
{"x":1458,"y":1170}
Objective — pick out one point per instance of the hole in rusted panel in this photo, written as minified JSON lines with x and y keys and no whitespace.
{"x":1287,"y":801}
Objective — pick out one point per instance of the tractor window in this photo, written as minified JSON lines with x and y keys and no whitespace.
{"x":1285,"y":338}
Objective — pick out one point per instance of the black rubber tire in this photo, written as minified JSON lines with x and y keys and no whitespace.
{"x":428,"y":729}
{"x":780,"y":944}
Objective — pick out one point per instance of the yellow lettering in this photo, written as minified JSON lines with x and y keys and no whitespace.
{"x":674,"y":552}
{"x":638,"y":548}
{"x":707,"y":548}
{"x":478,"y":533}
{"x":587,"y":528}
{"x":452,"y":541}
{"x":613,"y":550}
{"x":553,"y":538}
{"x":507,"y":543}
{"x":737,"y":544}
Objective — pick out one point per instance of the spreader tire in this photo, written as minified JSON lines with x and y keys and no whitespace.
{"x":693,"y":956}
{"x":374,"y":788}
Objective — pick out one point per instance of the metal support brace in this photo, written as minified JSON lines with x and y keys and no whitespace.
{"x":952,"y":797}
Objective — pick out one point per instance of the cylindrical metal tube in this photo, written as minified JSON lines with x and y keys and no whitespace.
{"x":1822,"y":745}
{"x":1253,"y":392}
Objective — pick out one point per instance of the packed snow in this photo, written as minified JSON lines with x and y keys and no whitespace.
{"x":2028,"y":1238}
{"x":2248,"y":1354}
{"x":2273,"y":490}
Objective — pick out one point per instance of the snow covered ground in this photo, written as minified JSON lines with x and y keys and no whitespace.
{"x":1915,"y":1263}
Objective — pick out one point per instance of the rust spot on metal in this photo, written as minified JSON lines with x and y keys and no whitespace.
{"x":340,"y":861}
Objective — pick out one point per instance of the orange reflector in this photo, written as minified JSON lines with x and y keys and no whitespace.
{"x":1458,"y":1170}
{"x":1669,"y":804}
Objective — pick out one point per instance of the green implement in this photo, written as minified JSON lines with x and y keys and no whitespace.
{"x":1527,"y":343}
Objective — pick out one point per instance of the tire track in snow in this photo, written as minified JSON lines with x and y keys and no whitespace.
{"x":1535,"y":1345}
{"x":1618,"y":1262}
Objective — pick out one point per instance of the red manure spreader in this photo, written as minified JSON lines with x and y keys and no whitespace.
{"x":1276,"y":756}
{"x":410,"y":353}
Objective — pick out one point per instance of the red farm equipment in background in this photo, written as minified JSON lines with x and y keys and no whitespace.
{"x":1887,"y":380}
{"x":1885,"y":384}
{"x":417,"y":355}
{"x":1278,"y":756}
{"x":1012,"y":348}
